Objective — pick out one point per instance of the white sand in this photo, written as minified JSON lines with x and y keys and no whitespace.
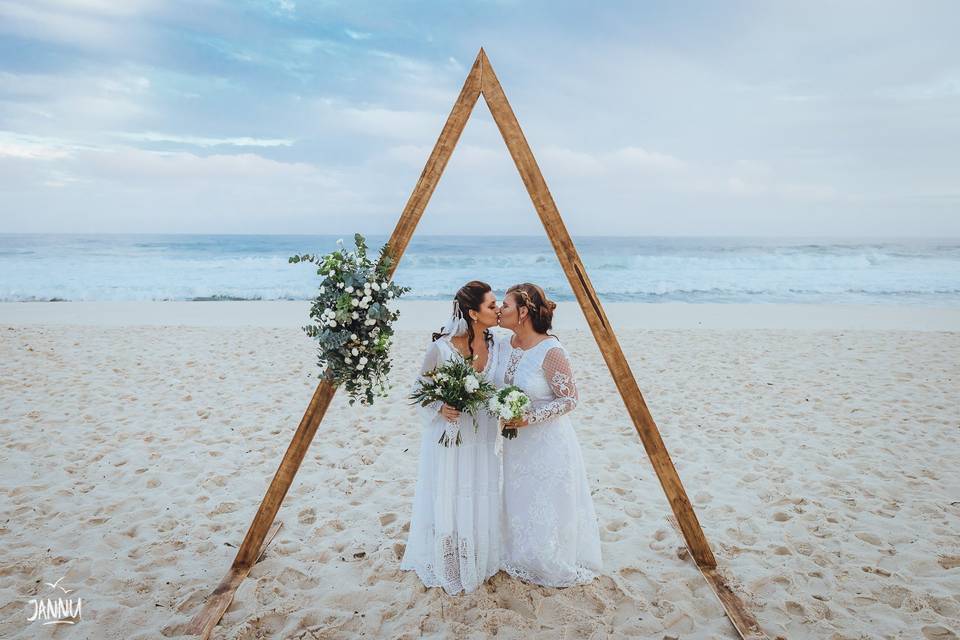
{"x":822,"y":464}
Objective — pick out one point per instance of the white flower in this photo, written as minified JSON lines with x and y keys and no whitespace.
{"x":355,"y":315}
{"x":360,"y":366}
{"x":332,"y":273}
{"x":389,"y":294}
{"x":353,"y":336}
{"x":348,"y":359}
{"x":375,"y":286}
{"x":364,"y":304}
{"x":354,"y":302}
{"x":333,"y":323}
{"x":363,"y":360}
{"x":339,"y":285}
{"x":322,"y":290}
{"x":349,"y":289}
{"x":369,"y":322}
{"x":471,"y":384}
{"x":365,"y":342}
{"x":494,"y":404}
{"x":505,"y":413}
{"x":355,"y":351}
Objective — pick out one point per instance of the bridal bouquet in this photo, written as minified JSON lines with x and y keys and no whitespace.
{"x":457,"y":384}
{"x":352,"y":319}
{"x":509,"y":403}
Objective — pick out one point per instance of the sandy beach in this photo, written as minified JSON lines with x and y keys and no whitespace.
{"x":818,"y":444}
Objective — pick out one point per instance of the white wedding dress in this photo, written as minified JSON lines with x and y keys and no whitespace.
{"x":454,"y":539}
{"x":550,"y":534}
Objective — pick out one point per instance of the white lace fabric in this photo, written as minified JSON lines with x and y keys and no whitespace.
{"x":549,"y":523}
{"x":454,"y":539}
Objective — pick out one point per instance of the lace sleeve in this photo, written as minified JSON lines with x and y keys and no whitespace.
{"x":556,"y":367}
{"x":431,"y":360}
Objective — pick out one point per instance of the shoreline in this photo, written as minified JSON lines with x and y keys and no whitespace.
{"x":430,"y":314}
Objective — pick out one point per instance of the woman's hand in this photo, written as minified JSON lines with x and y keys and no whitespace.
{"x":513,"y":424}
{"x":448,"y":412}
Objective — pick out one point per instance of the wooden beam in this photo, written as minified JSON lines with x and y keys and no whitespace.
{"x":203,"y":623}
{"x":741,"y":618}
{"x":217,"y":603}
{"x":436,"y":163}
{"x":593,"y":311}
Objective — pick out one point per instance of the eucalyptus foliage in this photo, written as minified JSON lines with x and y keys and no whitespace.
{"x":352,"y":321}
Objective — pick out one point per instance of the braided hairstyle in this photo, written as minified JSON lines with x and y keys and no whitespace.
{"x":470,"y":298}
{"x":539,"y":306}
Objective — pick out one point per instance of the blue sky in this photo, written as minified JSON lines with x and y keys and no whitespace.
{"x":672,"y":118}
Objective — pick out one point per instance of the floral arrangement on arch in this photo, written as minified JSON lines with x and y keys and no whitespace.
{"x":352,"y":319}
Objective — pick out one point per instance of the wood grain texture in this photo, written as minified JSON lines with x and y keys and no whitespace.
{"x":253,"y":542}
{"x":593,"y":311}
{"x":219,"y":601}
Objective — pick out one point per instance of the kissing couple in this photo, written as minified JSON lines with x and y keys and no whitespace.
{"x":522,"y":505}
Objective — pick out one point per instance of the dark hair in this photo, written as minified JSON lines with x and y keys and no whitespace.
{"x":470,"y":297}
{"x":539,"y":306}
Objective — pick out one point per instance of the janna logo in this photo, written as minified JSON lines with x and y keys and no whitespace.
{"x":60,"y":611}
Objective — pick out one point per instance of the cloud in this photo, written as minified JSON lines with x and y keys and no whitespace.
{"x":199,"y":141}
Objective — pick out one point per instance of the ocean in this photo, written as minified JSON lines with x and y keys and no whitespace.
{"x":49,"y":267}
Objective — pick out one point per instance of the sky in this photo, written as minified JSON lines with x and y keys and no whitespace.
{"x":654,"y":118}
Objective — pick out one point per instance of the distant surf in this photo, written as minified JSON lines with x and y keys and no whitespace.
{"x":49,"y":267}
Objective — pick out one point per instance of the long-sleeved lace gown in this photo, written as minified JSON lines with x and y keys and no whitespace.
{"x":550,"y":533}
{"x":454,"y":539}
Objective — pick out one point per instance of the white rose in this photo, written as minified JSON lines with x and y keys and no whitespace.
{"x":349,"y":289}
{"x":471,"y":384}
{"x":363,"y":360}
{"x":359,"y":367}
{"x":389,"y":294}
{"x":354,"y":301}
{"x":375,"y":286}
{"x":348,"y":359}
{"x":494,"y":404}
{"x":355,"y":351}
{"x":365,"y":342}
{"x":339,"y":285}
{"x":355,"y":315}
{"x":353,"y":336}
{"x":505,"y":413}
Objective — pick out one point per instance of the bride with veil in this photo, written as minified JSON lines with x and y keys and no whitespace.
{"x":454,"y":539}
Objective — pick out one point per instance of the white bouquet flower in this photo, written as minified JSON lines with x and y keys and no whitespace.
{"x":509,"y":403}
{"x":457,"y":384}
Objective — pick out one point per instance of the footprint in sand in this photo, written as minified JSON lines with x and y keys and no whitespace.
{"x":307,"y":516}
{"x":936,"y":632}
{"x":869,"y":538}
{"x":387,"y":519}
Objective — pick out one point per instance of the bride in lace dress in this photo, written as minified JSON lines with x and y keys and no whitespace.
{"x":454,"y":539}
{"x":550,"y":534}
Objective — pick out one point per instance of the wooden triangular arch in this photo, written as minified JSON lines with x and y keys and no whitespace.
{"x":483,"y":81}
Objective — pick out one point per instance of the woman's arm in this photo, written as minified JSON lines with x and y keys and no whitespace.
{"x":431,"y":360}
{"x":559,"y":374}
